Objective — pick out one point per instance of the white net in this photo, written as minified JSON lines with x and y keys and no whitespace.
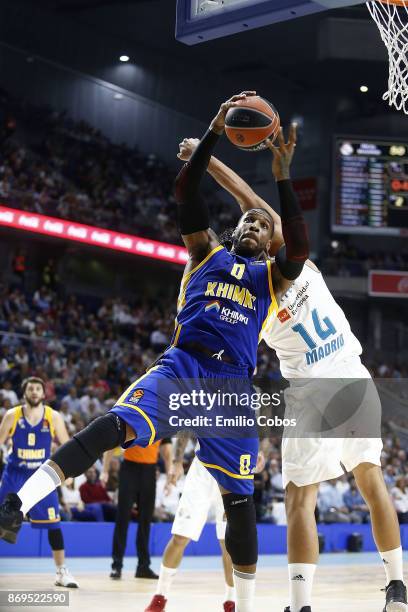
{"x":391,"y":18}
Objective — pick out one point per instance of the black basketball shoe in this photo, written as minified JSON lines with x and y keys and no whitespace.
{"x":146,"y":572}
{"x":304,"y":609}
{"x":11,"y":518}
{"x":116,"y":573}
{"x":396,"y":597}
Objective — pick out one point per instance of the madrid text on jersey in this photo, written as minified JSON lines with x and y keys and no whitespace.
{"x":327,"y":349}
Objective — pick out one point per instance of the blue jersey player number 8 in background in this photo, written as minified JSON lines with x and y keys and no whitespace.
{"x":322,"y":333}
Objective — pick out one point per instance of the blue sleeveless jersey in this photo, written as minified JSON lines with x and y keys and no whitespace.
{"x":224,"y":303}
{"x":31,"y":444}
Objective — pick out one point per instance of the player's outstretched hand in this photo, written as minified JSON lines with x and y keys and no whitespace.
{"x":187,"y":148}
{"x":218,"y":123}
{"x":283,"y":153}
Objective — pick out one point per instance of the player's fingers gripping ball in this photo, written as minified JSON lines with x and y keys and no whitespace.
{"x":251,"y":122}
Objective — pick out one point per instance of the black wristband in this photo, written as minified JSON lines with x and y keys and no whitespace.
{"x":193,"y":215}
{"x":288,"y":269}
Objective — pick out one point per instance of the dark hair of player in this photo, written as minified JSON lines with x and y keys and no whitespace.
{"x":32,"y":379}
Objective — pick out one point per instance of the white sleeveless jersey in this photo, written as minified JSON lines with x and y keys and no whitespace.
{"x":310,"y":332}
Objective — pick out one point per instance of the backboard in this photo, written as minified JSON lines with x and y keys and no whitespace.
{"x":201,"y":20}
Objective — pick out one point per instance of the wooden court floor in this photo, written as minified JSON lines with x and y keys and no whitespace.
{"x":338,"y":587}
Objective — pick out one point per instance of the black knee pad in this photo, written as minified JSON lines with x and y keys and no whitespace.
{"x":241,"y":536}
{"x":55,"y":538}
{"x":80,"y":453}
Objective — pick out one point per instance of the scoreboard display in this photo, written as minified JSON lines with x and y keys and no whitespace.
{"x":370,"y":187}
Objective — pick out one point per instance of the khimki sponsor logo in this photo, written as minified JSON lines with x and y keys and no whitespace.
{"x":233,"y":316}
{"x":227,"y":314}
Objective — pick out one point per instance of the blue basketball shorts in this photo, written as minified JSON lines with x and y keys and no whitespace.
{"x":208,"y":397}
{"x":45,"y":514}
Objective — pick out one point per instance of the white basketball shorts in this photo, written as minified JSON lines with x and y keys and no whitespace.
{"x":309,"y":460}
{"x":200,"y":495}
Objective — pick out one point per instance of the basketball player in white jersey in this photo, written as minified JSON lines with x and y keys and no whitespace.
{"x":200,"y":495}
{"x":313,"y":340}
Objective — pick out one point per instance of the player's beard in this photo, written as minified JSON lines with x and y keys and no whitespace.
{"x":244,"y":251}
{"x":33,"y":404}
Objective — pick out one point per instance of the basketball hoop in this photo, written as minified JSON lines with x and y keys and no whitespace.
{"x":391,"y":17}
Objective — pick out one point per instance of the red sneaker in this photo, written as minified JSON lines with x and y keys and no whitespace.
{"x":158,"y":604}
{"x":229,"y":606}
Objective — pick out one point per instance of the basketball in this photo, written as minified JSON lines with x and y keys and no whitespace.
{"x":251,"y":122}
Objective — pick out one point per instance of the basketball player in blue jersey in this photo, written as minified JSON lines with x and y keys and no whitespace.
{"x":225,"y":299}
{"x":31,"y":428}
{"x":306,"y":462}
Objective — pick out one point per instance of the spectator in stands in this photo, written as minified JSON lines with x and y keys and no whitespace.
{"x":332,"y":508}
{"x":389,"y":476}
{"x":21,"y":356}
{"x":42,"y":300}
{"x":72,"y":506}
{"x":167,"y":498}
{"x":275,"y":477}
{"x":96,"y":498}
{"x":159,"y":338}
{"x":67,"y":415}
{"x":356,"y":505}
{"x":7,"y":393}
{"x":72,"y":401}
{"x":19,"y":266}
{"x":112,"y":485}
{"x":49,"y":275}
{"x":399,"y":494}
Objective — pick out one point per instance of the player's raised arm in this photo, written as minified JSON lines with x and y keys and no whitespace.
{"x":292,"y":255}
{"x":245,"y":196}
{"x":193,"y":213}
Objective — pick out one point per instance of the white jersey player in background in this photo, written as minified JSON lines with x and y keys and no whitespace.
{"x":313,"y":341}
{"x":200,"y":496}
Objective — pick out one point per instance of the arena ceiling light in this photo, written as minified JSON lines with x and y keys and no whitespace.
{"x":124,"y":58}
{"x":363,"y":88}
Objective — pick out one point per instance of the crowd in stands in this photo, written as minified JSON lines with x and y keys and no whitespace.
{"x":88,"y":355}
{"x":343,"y":259}
{"x":71,"y":170}
{"x":74,"y":172}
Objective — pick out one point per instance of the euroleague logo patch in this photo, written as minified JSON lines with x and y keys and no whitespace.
{"x":283,"y":315}
{"x":136,"y":396}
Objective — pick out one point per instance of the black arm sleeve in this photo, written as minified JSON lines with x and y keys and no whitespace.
{"x":192,"y":210}
{"x":292,"y":256}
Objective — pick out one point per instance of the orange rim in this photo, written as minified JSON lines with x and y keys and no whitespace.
{"x":395,"y":2}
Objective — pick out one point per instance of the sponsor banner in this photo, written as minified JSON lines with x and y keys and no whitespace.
{"x":383,"y":283}
{"x":87,"y":234}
